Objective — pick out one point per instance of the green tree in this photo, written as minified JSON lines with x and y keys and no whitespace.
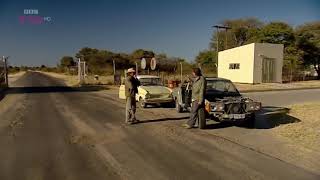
{"x":277,"y":33}
{"x":67,"y":61}
{"x":165,"y":63}
{"x":86,"y":52}
{"x":141,"y":53}
{"x":208,"y":61}
{"x":308,"y":41}
{"x":206,"y":57}
{"x":292,"y":61}
{"x":242,"y":30}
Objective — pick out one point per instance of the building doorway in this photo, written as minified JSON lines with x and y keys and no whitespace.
{"x":268,"y":70}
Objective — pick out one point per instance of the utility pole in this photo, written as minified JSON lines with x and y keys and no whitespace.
{"x":181,"y":71}
{"x":84,"y":69}
{"x":226,"y":40}
{"x":79,"y":70}
{"x":226,"y":28}
{"x":114,"y":67}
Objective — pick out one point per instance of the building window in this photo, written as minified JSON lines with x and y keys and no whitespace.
{"x":234,"y":66}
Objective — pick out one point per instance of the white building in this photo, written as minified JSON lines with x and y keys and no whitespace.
{"x":252,"y":63}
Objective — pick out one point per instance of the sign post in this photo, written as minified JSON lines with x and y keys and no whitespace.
{"x":79,"y":71}
{"x":143,"y":63}
{"x":114,"y":67}
{"x":153,"y":63}
{"x":181,"y":70}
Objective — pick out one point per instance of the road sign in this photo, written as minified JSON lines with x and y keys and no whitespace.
{"x":153,"y":63}
{"x":143,"y":63}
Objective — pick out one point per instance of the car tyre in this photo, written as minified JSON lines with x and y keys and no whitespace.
{"x":202,"y":118}
{"x":142,"y":103}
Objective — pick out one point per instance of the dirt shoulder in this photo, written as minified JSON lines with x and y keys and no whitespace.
{"x":69,"y":80}
{"x":72,"y":80}
{"x":305,"y":130}
{"x":13,"y":77}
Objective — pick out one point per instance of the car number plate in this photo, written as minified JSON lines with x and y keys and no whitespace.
{"x":239,"y":116}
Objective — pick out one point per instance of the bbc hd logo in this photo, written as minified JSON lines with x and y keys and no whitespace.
{"x":32,"y":16}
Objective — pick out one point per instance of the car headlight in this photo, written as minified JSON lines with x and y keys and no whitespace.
{"x":218,"y":106}
{"x":253,"y":106}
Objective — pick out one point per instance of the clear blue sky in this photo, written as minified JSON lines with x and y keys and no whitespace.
{"x":176,"y":27}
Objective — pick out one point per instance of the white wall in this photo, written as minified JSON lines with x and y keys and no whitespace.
{"x":243,"y":55}
{"x":250,"y":58}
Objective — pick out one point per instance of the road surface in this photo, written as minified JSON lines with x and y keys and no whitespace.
{"x":284,"y":98}
{"x":48,"y":131}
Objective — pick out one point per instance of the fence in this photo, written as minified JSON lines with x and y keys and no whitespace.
{"x":288,"y":76}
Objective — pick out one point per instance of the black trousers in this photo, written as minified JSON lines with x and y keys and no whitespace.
{"x":194,"y":114}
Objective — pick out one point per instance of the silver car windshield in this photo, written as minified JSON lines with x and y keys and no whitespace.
{"x":221,"y":86}
{"x":150,"y":81}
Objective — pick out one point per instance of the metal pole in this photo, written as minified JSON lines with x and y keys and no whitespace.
{"x":114,"y":67}
{"x":84,"y":68}
{"x":226,"y":39}
{"x":79,"y":70}
{"x":217,"y":40}
{"x":181,"y":71}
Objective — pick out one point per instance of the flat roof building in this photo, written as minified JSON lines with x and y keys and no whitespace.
{"x":253,"y":63}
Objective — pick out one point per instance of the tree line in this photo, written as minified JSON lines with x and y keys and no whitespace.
{"x":301,"y":49}
{"x":101,"y":61}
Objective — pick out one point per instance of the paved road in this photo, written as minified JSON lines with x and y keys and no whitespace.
{"x":53,"y":132}
{"x":284,"y":98}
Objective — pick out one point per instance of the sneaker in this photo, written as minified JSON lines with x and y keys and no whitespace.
{"x":135,"y":121}
{"x":187,"y":126}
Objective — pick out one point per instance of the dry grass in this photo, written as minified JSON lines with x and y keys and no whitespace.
{"x":72,"y":80}
{"x":68,"y":79}
{"x":16,"y":74}
{"x":307,"y":131}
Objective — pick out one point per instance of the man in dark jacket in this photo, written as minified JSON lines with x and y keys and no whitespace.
{"x":131,"y":89}
{"x":199,"y":86}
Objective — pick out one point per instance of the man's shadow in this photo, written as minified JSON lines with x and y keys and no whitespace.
{"x":162,"y":120}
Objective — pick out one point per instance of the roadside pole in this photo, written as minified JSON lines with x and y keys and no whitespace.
{"x":6,"y":71}
{"x":79,"y":71}
{"x":114,"y":67}
{"x":181,"y":71}
{"x":84,"y":69}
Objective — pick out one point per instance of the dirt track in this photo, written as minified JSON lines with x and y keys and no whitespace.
{"x":48,"y":131}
